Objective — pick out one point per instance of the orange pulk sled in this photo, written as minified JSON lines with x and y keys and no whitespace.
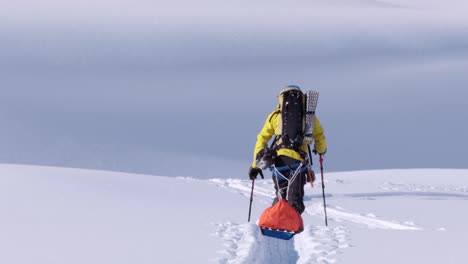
{"x":281,"y":220}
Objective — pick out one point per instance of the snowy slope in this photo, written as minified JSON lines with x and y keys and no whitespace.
{"x":59,"y":215}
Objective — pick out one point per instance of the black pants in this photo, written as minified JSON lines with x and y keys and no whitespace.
{"x":296,"y":189}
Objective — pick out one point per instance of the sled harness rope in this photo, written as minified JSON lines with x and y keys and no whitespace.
{"x":294,"y":169}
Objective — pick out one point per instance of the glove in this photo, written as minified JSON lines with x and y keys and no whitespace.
{"x":253,"y":172}
{"x":316,"y":152}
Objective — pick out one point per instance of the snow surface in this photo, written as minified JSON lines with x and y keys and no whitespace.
{"x":64,"y":215}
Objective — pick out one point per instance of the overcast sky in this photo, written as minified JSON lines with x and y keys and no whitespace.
{"x":145,"y":86}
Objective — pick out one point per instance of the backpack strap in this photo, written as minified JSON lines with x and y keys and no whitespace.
{"x":277,"y":111}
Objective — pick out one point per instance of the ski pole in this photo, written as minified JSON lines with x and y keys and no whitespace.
{"x":310,"y":162}
{"x":251,"y":196}
{"x":323,"y":189}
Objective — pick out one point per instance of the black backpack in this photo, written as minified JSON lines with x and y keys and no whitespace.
{"x":292,"y":124}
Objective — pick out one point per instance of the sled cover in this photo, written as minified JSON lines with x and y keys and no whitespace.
{"x":281,"y":221}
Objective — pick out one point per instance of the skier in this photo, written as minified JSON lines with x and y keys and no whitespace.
{"x":286,"y":159}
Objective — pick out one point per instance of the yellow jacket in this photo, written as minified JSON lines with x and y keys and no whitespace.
{"x":271,"y":128}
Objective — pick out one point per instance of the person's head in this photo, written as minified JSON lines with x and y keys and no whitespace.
{"x":289,"y":88}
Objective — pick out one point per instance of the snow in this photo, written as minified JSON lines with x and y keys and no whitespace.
{"x":65,"y":215}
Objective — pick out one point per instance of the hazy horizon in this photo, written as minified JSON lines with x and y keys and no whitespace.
{"x":167,"y":89}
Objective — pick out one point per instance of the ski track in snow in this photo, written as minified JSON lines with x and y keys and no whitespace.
{"x":320,"y":244}
{"x":265,"y":190}
{"x":243,"y":243}
{"x":424,"y":190}
{"x":369,"y":220}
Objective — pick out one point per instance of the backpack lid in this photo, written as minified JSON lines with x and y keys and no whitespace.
{"x":290,"y":88}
